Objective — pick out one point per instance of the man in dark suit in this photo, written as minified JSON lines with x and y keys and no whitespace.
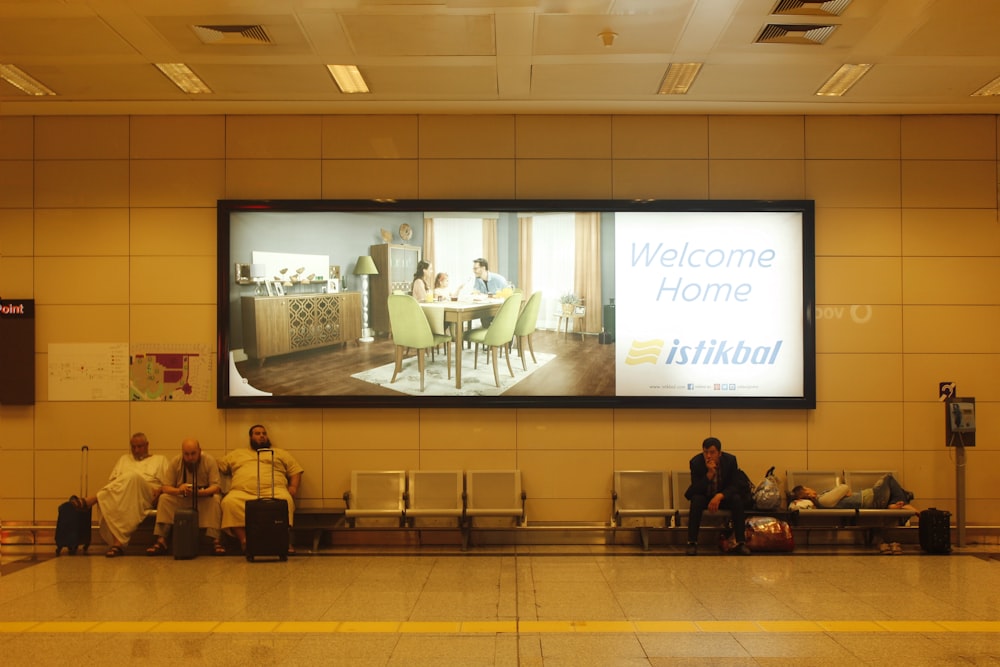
{"x":715,"y":484}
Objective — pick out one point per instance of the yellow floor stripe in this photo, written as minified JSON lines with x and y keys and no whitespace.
{"x":62,"y":626}
{"x":447,"y":627}
{"x":246,"y":626}
{"x":545,"y":626}
{"x":912,"y":626}
{"x":15,"y":626}
{"x":310,"y":627}
{"x":789,"y":626}
{"x":489,"y":626}
{"x":666,"y":626}
{"x":366,"y":626}
{"x":124,"y":626}
{"x":496,"y":627}
{"x":603,"y":626}
{"x":971,"y":626}
{"x":728,"y":626}
{"x":851,"y":626}
{"x":185,"y":626}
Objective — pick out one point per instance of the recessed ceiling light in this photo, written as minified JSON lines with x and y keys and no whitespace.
{"x":183,"y":77}
{"x":842,"y":80}
{"x":679,"y":78}
{"x":990,"y":89}
{"x":16,"y":77}
{"x":348,"y":78}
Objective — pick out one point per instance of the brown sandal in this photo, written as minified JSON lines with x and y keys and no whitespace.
{"x":218,"y":549}
{"x":114,"y":551}
{"x":156,"y":549}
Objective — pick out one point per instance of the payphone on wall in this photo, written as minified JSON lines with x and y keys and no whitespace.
{"x":960,"y":421}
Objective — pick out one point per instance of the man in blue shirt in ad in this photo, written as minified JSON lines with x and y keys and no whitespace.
{"x":486,"y":282}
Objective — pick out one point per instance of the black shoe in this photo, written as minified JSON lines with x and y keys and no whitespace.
{"x":740,"y":550}
{"x":692,"y":549}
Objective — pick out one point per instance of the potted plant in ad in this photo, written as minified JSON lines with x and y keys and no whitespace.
{"x":569,"y":302}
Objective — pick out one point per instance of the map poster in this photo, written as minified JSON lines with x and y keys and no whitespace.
{"x":170,"y":372}
{"x":88,"y":371}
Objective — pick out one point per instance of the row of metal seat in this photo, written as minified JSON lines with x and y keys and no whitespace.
{"x":452,"y":494}
{"x":659,"y":494}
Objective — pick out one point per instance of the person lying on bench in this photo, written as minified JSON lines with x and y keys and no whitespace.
{"x":886,"y":493}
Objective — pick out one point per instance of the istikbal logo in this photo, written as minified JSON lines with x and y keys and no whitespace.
{"x":644,"y":352}
{"x":711,"y":352}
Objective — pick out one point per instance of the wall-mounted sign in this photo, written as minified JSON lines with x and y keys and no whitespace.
{"x":17,"y":308}
{"x":17,"y":351}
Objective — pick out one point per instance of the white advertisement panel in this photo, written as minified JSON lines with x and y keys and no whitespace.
{"x":710,"y":304}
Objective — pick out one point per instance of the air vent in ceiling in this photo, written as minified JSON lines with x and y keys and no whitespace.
{"x":226,"y":35}
{"x":795,"y":34}
{"x":811,"y":7}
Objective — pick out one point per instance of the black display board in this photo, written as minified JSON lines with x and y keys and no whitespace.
{"x":17,"y":351}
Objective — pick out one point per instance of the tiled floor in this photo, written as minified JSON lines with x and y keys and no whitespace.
{"x":503,"y":606}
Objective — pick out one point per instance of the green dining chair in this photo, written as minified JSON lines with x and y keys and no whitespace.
{"x":499,"y":334}
{"x":527,"y":322}
{"x":410,"y":329}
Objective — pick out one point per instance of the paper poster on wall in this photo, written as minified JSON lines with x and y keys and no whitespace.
{"x":88,"y":371}
{"x":171,"y":372}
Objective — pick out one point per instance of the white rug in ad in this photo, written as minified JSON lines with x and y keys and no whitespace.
{"x":477,"y":382}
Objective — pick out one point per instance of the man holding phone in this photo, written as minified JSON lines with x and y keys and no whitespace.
{"x":178,"y":488}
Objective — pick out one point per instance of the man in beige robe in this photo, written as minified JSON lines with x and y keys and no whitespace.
{"x":132,"y":491}
{"x":242,"y":465}
{"x":182,"y":472}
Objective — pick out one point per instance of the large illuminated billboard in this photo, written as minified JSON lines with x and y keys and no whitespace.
{"x":675,"y":303}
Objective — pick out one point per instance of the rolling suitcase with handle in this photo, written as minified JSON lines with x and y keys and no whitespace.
{"x":73,"y":523}
{"x":935,"y":531}
{"x":267,"y":521}
{"x":186,"y":523}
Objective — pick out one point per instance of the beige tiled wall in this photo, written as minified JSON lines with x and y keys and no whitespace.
{"x":109,"y":224}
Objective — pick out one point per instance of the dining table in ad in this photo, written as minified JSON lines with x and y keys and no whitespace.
{"x":442,"y":313}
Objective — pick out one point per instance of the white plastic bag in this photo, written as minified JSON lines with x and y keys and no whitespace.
{"x":767,"y":495}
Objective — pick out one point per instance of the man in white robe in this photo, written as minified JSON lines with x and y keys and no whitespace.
{"x":242,"y":465}
{"x":131,"y":491}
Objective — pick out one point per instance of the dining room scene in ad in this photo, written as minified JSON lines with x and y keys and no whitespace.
{"x":418,"y":304}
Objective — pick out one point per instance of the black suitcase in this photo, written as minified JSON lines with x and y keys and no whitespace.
{"x":267,"y":522}
{"x":935,"y":531}
{"x":73,"y":523}
{"x":186,"y":524}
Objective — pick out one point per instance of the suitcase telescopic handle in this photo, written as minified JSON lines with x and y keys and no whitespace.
{"x":84,"y":473}
{"x":194,"y":485}
{"x":268,"y":449}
